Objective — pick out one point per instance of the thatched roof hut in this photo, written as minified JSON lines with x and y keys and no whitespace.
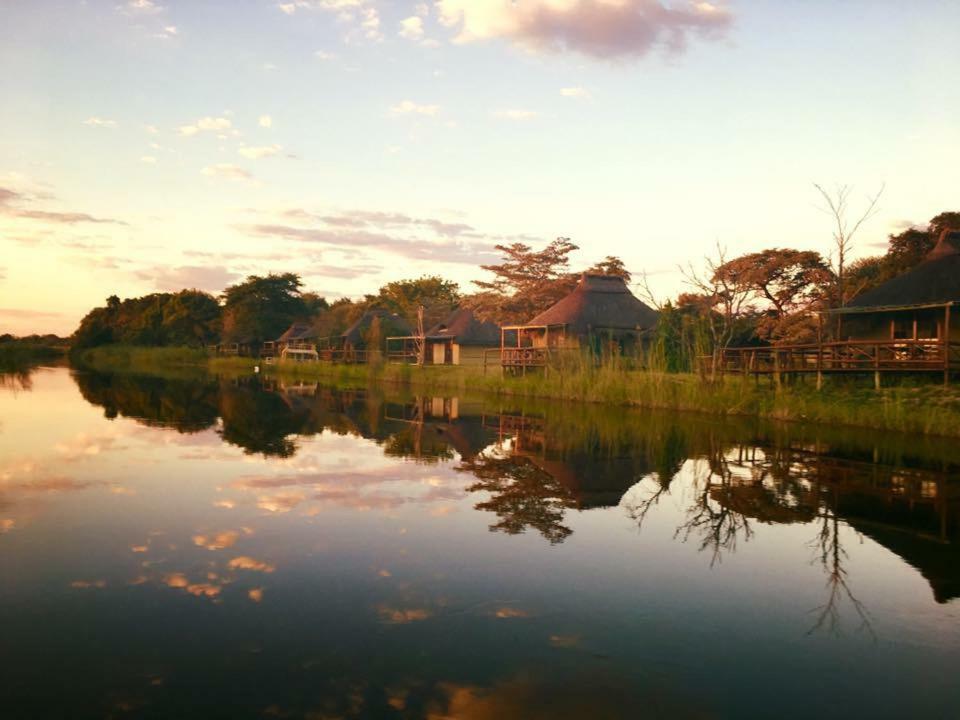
{"x":935,"y":281}
{"x":297,"y":332}
{"x":599,"y":302}
{"x":465,"y":328}
{"x":390,"y":324}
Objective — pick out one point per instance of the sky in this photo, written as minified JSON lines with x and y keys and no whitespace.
{"x":153,"y":145}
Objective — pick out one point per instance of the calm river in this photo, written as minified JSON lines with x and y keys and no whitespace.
{"x":212,"y":548}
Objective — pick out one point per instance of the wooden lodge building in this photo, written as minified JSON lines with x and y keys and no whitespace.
{"x":461,"y":339}
{"x":301,"y":341}
{"x":600,"y":314}
{"x":905,"y":325}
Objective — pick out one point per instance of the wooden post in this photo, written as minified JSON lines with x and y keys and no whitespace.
{"x":876,"y":366}
{"x":776,"y":368}
{"x":819,"y":352}
{"x":946,"y":344}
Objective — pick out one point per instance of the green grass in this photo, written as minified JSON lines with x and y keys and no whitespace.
{"x":16,"y":356}
{"x":913,"y":406}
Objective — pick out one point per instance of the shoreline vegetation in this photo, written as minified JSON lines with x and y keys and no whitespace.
{"x":910,"y":407}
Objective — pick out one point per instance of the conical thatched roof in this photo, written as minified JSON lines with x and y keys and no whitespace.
{"x":297,"y":331}
{"x":466,"y":329}
{"x":599,"y":301}
{"x":935,"y":280}
{"x":390,"y":324}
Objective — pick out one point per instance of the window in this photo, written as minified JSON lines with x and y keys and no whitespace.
{"x":928,"y":329}
{"x":903,"y":329}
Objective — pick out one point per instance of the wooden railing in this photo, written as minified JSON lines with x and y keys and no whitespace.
{"x":838,"y":357}
{"x":528,"y":357}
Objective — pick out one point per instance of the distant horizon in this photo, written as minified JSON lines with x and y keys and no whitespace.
{"x":158,"y":145}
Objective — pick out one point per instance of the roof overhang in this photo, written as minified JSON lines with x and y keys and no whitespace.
{"x":885,"y":308}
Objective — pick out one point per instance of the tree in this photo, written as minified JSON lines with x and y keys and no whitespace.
{"x":721,"y":300}
{"x":261,"y":308}
{"x":437,"y":296}
{"x":837,"y":207}
{"x":789,"y":281}
{"x":527,"y":282}
{"x":611,"y":265}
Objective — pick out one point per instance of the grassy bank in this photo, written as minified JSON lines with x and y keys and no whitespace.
{"x":16,"y":355}
{"x":922,"y":407}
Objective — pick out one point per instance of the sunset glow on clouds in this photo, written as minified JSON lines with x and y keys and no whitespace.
{"x":152,"y":145}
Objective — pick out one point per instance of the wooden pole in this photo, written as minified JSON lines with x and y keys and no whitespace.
{"x":819,"y":352}
{"x":946,"y":344}
{"x":876,"y":366}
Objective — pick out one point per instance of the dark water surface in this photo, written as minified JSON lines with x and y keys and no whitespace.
{"x":236,"y":548}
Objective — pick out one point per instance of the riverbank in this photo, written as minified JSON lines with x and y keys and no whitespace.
{"x":17,"y":355}
{"x":923,"y":407}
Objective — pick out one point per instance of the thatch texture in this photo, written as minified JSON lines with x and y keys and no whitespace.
{"x":599,"y":302}
{"x":296,"y":332}
{"x":466,"y":329}
{"x":935,"y":280}
{"x":390,"y":324}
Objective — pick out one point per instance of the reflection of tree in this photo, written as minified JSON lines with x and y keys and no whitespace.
{"x":713,"y":516}
{"x":831,"y":556}
{"x":424,"y":443}
{"x":186,"y":405}
{"x":260,"y":422}
{"x":522,"y":495}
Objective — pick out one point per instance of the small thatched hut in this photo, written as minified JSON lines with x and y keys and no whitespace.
{"x":379,"y":322}
{"x":599,"y":312}
{"x":298,"y":342}
{"x":460,"y":339}
{"x":913,"y":306}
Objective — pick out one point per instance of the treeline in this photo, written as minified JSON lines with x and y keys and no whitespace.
{"x":762,"y":297}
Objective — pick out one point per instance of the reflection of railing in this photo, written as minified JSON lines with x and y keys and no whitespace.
{"x":840,"y":357}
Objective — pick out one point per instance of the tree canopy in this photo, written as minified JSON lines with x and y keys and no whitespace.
{"x":261,"y":308}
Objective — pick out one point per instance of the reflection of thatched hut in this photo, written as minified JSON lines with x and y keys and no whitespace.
{"x":460,"y":339}
{"x":601,"y":310}
{"x":912,"y":306}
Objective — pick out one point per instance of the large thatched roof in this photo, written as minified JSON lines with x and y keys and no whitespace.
{"x":934,"y":281}
{"x":390,"y":324}
{"x":599,"y":302}
{"x":297,"y":331}
{"x":466,"y":329}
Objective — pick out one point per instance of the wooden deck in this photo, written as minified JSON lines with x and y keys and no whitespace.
{"x":847,"y":357}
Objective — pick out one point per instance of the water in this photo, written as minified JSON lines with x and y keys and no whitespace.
{"x":237,"y":548}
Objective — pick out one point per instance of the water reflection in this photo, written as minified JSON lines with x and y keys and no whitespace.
{"x":374,"y":553}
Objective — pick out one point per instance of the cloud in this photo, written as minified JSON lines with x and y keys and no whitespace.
{"x":265,"y":121}
{"x":323,"y":55}
{"x":574,"y":92}
{"x":408,"y":107}
{"x":227,"y":171}
{"x":255,"y":153}
{"x":248,"y":563}
{"x":515,"y":114}
{"x":100,"y":122}
{"x":411,"y":28}
{"x":142,"y":7}
{"x":66,"y":218}
{"x":148,"y":159}
{"x":216,"y":124}
{"x":597,"y":28}
{"x":7,"y":195}
{"x":22,"y":313}
{"x":209,"y":278}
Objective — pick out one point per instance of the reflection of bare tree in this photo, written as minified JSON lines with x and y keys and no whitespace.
{"x":521,"y":494}
{"x":712,"y":516}
{"x":653,"y":489}
{"x":831,"y":556}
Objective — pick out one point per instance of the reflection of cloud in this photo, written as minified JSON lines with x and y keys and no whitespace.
{"x":244,"y":562}
{"x":85,"y":584}
{"x":510,"y":612}
{"x":564,"y":641}
{"x":401,"y":616}
{"x":280,"y":503}
{"x":598,"y":28}
{"x":256,"y":594}
{"x":218,"y":541}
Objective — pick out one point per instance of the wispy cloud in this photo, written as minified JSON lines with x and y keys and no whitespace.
{"x":16,"y":204}
{"x":574,"y":92}
{"x":411,"y":28}
{"x":100,"y":122}
{"x":265,"y":121}
{"x":208,"y":278}
{"x":515,"y":114}
{"x":141,"y":7}
{"x":409,"y":107}
{"x":212,"y":124}
{"x":227,"y":172}
{"x":255,"y":153}
{"x":597,"y":28}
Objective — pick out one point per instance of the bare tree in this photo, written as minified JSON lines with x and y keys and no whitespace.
{"x":837,"y":206}
{"x":723,"y":301}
